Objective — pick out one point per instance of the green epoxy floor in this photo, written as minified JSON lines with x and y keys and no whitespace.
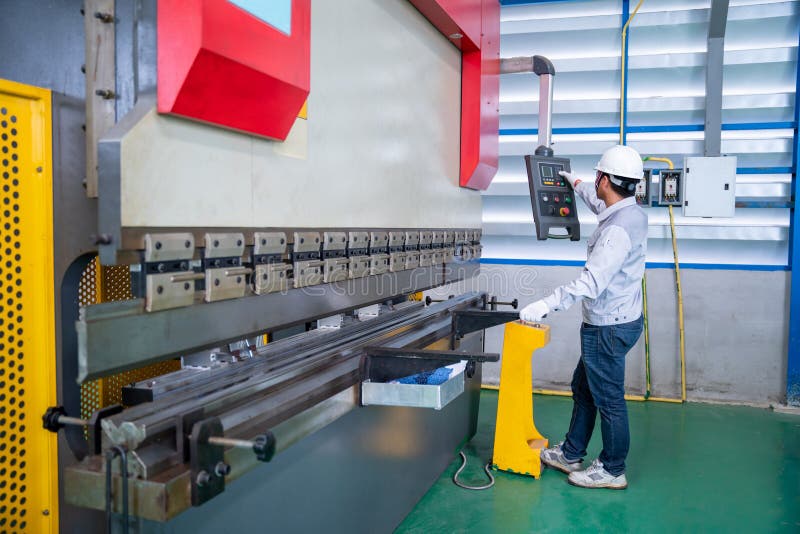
{"x":691,"y":468}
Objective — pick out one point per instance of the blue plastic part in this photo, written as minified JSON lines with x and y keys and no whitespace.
{"x":428,"y":378}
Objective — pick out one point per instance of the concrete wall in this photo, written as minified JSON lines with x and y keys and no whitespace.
{"x":736,"y":331}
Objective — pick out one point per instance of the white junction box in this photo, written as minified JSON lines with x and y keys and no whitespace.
{"x":709,"y":186}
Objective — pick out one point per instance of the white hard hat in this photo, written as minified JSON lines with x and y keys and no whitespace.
{"x":622,"y":162}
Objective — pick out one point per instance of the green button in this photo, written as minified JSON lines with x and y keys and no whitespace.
{"x":568,"y":200}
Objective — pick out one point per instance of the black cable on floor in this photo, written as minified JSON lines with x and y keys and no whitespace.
{"x":486,"y":468}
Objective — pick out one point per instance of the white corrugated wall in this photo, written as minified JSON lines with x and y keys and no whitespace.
{"x":666,"y":97}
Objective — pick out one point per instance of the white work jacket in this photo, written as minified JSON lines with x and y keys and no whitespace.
{"x":610,"y":285}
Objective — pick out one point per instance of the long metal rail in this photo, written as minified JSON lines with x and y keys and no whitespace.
{"x":290,"y":362}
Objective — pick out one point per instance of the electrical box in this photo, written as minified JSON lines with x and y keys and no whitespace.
{"x":670,"y":187}
{"x":552,"y":198}
{"x":643,"y":186}
{"x":709,"y":186}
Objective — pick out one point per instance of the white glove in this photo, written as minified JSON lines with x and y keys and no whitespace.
{"x":533,"y":313}
{"x":571,"y":178}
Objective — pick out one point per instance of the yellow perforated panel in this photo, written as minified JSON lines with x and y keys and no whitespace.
{"x":91,"y":392}
{"x":109,"y":284}
{"x":28,"y":462}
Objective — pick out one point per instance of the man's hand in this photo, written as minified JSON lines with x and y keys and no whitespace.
{"x":571,"y":178}
{"x":533,"y":313}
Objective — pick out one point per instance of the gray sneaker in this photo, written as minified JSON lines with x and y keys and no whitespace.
{"x":554,"y":457}
{"x":595,"y":476}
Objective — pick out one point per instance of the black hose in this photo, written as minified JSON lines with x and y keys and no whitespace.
{"x":109,"y":458}
{"x":486,"y":468}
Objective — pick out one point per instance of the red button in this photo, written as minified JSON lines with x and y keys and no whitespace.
{"x":556,"y":199}
{"x":564,"y":212}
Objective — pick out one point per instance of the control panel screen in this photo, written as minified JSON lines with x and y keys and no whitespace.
{"x":549,"y":173}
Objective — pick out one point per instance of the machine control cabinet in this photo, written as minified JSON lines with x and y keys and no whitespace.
{"x":709,"y":186}
{"x":552,"y":198}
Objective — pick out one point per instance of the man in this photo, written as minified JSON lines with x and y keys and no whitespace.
{"x":610,"y":289}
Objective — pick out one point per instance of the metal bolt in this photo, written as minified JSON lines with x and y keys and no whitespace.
{"x":187,"y":243}
{"x":184,"y":265}
{"x":216,"y":243}
{"x":216,"y":281}
{"x":222,"y":469}
{"x":456,"y":36}
{"x":161,"y":267}
{"x":263,"y":241}
{"x":160,"y":289}
{"x":101,"y":239}
{"x":39,"y":169}
{"x":107,"y":94}
{"x":158,"y":245}
{"x":104,"y":17}
{"x":186,"y":286}
{"x":263,"y":276}
{"x":83,"y":68}
{"x":45,"y":512}
{"x":203,"y":478}
{"x":238,"y":279}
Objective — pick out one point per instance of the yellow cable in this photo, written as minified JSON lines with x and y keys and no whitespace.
{"x":622,"y":70}
{"x":680,"y":304}
{"x":681,"y":332}
{"x":662,"y":160}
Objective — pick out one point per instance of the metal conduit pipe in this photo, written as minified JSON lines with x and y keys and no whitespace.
{"x":544,"y":69}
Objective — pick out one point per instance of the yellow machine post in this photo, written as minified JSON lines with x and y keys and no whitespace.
{"x":28,"y":463}
{"x":517,"y":443}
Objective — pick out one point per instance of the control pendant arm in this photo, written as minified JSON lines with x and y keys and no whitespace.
{"x":544,"y":69}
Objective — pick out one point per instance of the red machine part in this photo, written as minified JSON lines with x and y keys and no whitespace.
{"x":478,"y":23}
{"x":218,"y":63}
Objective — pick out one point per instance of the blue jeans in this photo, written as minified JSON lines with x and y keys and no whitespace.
{"x":599,"y":384}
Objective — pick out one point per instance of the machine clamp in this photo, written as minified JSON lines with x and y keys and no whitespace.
{"x":55,"y":418}
{"x":207,"y":457}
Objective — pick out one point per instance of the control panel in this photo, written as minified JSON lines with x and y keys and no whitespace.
{"x":552,"y":198}
{"x":670,"y":187}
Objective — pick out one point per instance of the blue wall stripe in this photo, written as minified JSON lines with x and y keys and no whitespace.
{"x":763,"y":170}
{"x":649,"y":265}
{"x":652,"y":128}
